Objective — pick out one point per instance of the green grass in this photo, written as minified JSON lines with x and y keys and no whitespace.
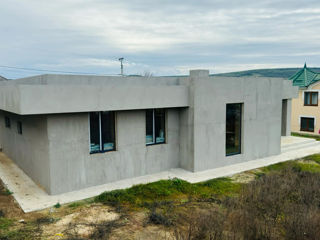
{"x":316,"y":137}
{"x":173,"y":189}
{"x":314,"y":157}
{"x":5,"y":224}
{"x":299,"y":166}
{"x":307,"y":167}
{"x":277,"y":166}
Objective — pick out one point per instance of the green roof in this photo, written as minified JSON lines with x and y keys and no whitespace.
{"x":305,"y":77}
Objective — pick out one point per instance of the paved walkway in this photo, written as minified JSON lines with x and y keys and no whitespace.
{"x":31,"y":197}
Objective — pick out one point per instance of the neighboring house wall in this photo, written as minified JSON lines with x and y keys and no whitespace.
{"x":72,"y":167}
{"x":299,"y":110}
{"x":29,"y":149}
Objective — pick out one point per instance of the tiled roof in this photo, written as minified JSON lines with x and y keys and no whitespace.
{"x":305,"y":77}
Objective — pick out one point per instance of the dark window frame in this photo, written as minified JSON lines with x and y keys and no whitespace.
{"x":7,"y":122}
{"x":101,"y":147}
{"x":308,"y":122}
{"x":240,"y":130}
{"x":19,"y":127}
{"x":310,"y":98}
{"x":154,"y":123}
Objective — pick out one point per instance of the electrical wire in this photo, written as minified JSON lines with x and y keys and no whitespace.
{"x":53,"y":71}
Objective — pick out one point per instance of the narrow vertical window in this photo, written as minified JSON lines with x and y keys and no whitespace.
{"x":102,"y":131}
{"x":107,"y":131}
{"x":159,"y":121}
{"x":155,"y":126}
{"x":7,"y":122}
{"x":233,"y":129}
{"x":94,"y":132}
{"x":149,"y":127}
{"x":19,"y":127}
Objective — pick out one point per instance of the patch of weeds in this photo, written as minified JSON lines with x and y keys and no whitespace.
{"x":168,"y":190}
{"x":259,"y":174}
{"x":160,"y":219}
{"x":45,"y":220}
{"x":277,"y":167}
{"x":58,"y":205}
{"x":5,"y":223}
{"x":316,"y":137}
{"x":314,"y":157}
{"x":219,"y":186}
{"x":28,"y":232}
{"x":76,"y":204}
{"x":307,"y":167}
{"x":294,"y":165}
{"x":6,"y":192}
{"x":138,"y":194}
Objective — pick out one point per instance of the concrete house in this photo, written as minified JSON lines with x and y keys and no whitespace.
{"x":306,"y":108}
{"x":70,"y":132}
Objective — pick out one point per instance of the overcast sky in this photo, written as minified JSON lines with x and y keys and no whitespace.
{"x":163,"y":37}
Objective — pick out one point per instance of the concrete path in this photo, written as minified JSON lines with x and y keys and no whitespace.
{"x":31,"y":197}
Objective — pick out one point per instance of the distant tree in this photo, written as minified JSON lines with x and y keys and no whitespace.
{"x":147,"y":74}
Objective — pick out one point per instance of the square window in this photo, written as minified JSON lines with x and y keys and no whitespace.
{"x":310,"y":98}
{"x":307,"y":124}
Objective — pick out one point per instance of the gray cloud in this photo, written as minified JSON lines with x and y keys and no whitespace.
{"x":164,"y":37}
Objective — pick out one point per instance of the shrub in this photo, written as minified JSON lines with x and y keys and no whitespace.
{"x":58,"y":205}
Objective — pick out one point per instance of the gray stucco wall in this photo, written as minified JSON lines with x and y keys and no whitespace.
{"x":203,"y":137}
{"x":29,"y":150}
{"x":72,"y":167}
{"x":54,"y":148}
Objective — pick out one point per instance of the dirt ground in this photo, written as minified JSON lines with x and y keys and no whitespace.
{"x":89,"y":220}
{"x":8,"y":205}
{"x":81,"y":221}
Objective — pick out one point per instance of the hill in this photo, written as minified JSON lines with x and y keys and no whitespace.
{"x":276,"y":72}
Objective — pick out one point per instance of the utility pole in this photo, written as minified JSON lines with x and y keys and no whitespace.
{"x":121,"y":65}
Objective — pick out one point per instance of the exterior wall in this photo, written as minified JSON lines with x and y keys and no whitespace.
{"x":29,"y":150}
{"x":299,"y":110}
{"x":261,"y":125}
{"x":54,"y":148}
{"x":286,"y":117}
{"x":72,"y":167}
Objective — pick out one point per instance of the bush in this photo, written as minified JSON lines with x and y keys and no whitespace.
{"x":159,"y":219}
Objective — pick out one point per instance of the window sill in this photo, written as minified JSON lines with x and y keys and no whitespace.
{"x":105,"y":151}
{"x":233,"y":154}
{"x":152,"y":144}
{"x":310,"y":105}
{"x":306,"y":131}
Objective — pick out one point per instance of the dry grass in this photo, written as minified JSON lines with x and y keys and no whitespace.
{"x":281,"y":201}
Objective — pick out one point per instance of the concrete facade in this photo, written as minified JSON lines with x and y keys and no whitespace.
{"x":54,"y":147}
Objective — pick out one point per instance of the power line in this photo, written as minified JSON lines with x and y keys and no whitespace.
{"x":54,"y":71}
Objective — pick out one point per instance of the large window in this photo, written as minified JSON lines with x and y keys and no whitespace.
{"x":307,"y":124}
{"x":233,"y":129}
{"x":155,"y":126}
{"x":311,"y":98}
{"x":102,"y":132}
